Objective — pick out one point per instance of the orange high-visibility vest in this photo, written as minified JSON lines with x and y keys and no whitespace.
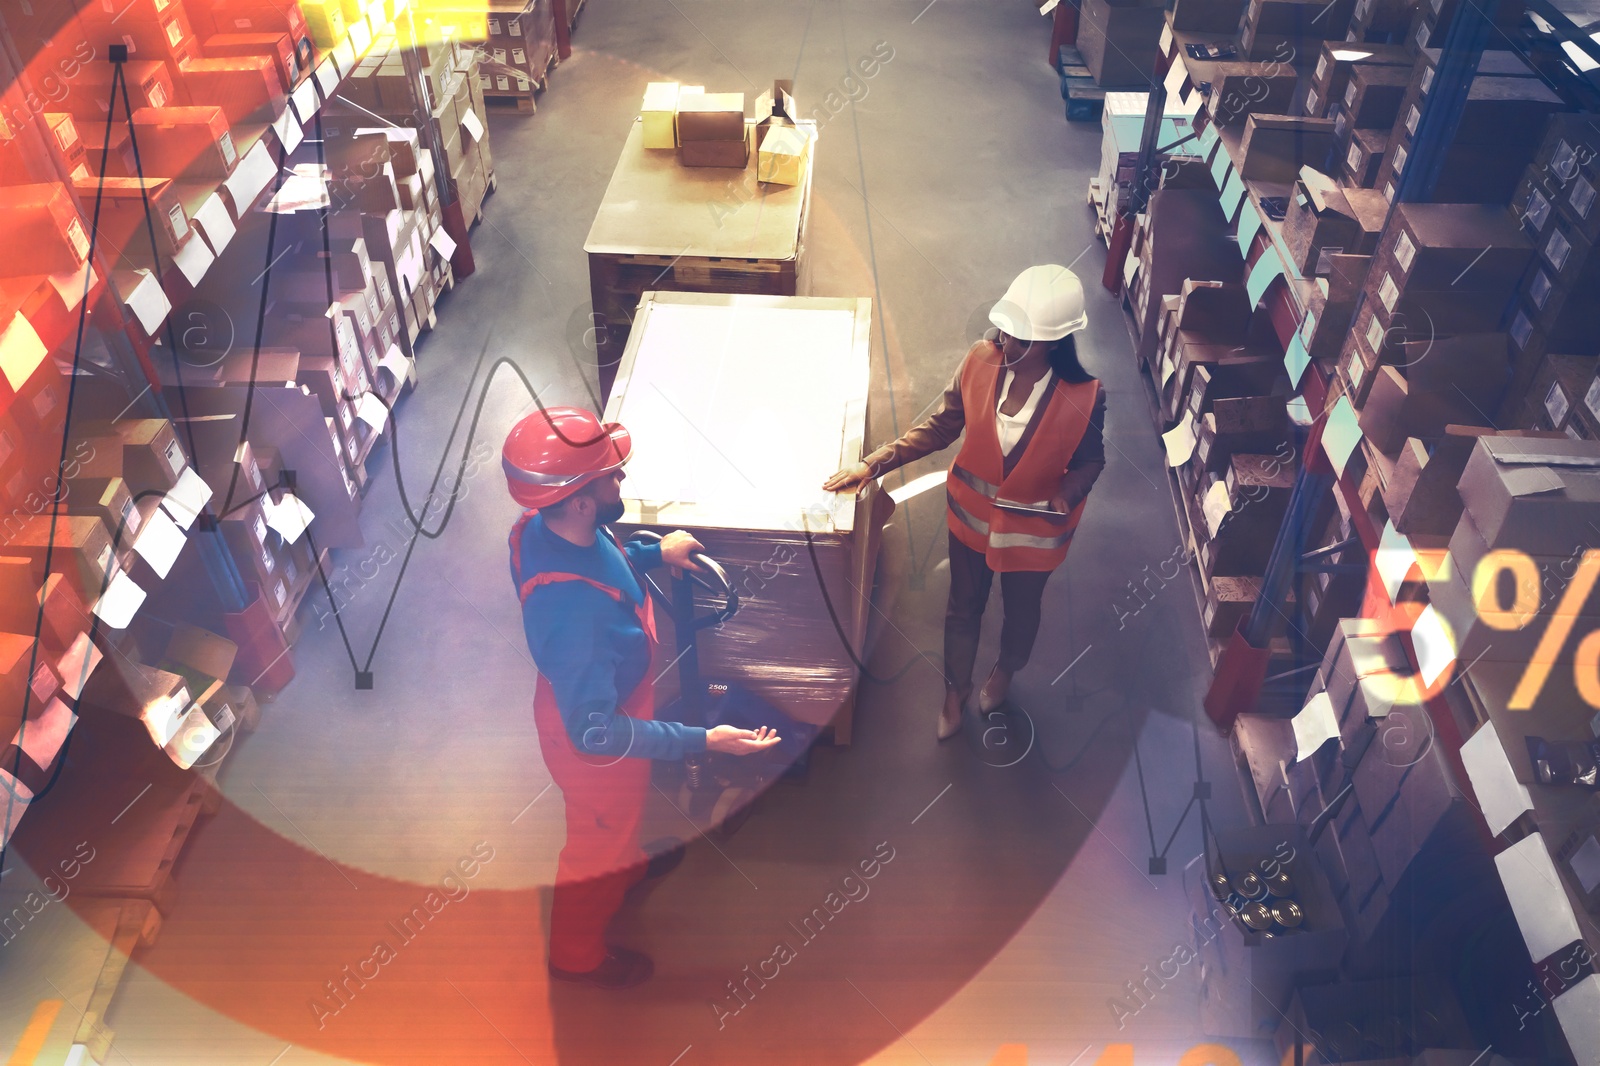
{"x":1012,"y":541}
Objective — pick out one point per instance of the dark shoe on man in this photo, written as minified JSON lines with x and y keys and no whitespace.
{"x":621,"y":969}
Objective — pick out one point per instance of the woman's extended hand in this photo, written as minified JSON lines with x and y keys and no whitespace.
{"x":850,"y":479}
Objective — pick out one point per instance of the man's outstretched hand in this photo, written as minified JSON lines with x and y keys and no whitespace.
{"x":733,"y":741}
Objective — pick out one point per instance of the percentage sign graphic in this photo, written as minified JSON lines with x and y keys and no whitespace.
{"x":1524,"y":608}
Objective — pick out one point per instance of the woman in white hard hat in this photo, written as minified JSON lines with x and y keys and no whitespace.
{"x":1033,"y":420}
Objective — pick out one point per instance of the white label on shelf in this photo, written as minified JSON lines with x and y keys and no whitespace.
{"x":1404,"y":250}
{"x":1555,"y":403}
{"x":1388,"y":293}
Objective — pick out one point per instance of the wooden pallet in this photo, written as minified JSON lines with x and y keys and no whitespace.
{"x":522,"y":101}
{"x":125,"y":925}
{"x":138,"y":856}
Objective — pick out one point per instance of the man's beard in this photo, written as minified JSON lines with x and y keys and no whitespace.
{"x":607,"y":513}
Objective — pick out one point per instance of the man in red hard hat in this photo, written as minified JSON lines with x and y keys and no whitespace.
{"x":591,"y":632}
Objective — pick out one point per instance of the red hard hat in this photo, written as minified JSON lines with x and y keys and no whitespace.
{"x":551,"y":454}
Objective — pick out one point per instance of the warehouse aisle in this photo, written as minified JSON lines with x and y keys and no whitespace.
{"x":1013,"y":897}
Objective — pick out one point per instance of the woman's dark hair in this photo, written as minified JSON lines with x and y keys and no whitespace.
{"x":1064,"y":361}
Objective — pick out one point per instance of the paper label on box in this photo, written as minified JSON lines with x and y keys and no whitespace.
{"x":175,"y":458}
{"x":519,"y":57}
{"x":1356,"y":371}
{"x":494,"y":26}
{"x":1591,"y":399}
{"x":1556,"y":249}
{"x":1555,"y":404}
{"x":1427,"y":75}
{"x":1404,"y":250}
{"x":78,"y":238}
{"x":1399,"y":159}
{"x":516,"y":27}
{"x":1311,"y":102}
{"x":130,"y":518}
{"x":1322,"y":68}
{"x":259,"y":525}
{"x":1521,"y":329}
{"x":1388,"y":293}
{"x":1581,"y":197}
{"x":1350,"y":94}
{"x":1413,"y":116}
{"x":1537,"y":211}
{"x":1352,"y":158}
{"x":1539,"y":289}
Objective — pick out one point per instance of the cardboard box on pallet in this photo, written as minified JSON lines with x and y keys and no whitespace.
{"x":1476,"y":247}
{"x":1277,"y":147}
{"x":248,"y":87}
{"x":145,"y":451}
{"x":1118,"y":43}
{"x":1206,"y":16}
{"x":1364,"y":156}
{"x":1323,"y":219}
{"x":44,"y":233}
{"x":185,"y":142}
{"x":1239,"y":90}
{"x":274,"y":46}
{"x":1372,"y":97}
{"x":82,"y":552}
{"x":166,"y":35}
{"x":1336,"y":62}
{"x":1516,"y":502}
{"x":712,"y":130}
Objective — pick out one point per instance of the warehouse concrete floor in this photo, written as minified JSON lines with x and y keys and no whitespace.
{"x":1018,"y":902}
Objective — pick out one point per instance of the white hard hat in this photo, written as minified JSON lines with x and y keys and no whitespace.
{"x":1045,"y":303}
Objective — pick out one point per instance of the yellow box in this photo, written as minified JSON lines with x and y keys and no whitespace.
{"x":660,"y":114}
{"x":781,"y":159}
{"x":325,"y":20}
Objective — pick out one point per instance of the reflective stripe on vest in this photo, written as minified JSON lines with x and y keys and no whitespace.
{"x":977,"y":525}
{"x":1025,"y":540}
{"x":982,"y":477}
{"x":977,"y":484}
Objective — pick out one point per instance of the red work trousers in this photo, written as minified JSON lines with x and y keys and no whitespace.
{"x":602,"y":858}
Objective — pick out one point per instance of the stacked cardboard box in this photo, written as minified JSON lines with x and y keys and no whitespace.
{"x":1502,"y":125}
{"x":1118,"y":42}
{"x":1286,"y":30}
{"x":1335,"y":64}
{"x":1442,"y":270}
